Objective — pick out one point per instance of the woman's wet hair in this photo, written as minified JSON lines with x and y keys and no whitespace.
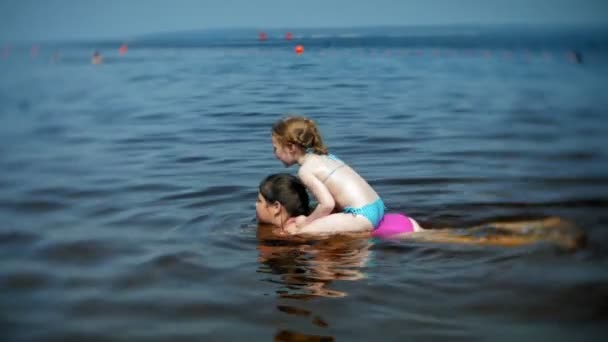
{"x":287,"y":190}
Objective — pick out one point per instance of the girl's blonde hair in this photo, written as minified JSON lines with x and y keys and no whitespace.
{"x":300,"y":131}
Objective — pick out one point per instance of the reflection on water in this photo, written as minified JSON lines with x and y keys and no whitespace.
{"x":308,"y":268}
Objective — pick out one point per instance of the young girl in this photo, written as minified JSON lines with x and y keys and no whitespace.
{"x":347,"y":203}
{"x":282,"y":198}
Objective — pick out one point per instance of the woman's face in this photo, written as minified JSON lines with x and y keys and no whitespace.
{"x":264,"y":211}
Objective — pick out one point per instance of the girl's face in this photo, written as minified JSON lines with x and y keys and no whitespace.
{"x":284,"y":153}
{"x":264,"y":211}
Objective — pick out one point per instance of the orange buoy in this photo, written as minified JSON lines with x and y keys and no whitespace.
{"x":288,"y":36}
{"x":262,"y":36}
{"x":299,"y":49}
{"x":123,"y":49}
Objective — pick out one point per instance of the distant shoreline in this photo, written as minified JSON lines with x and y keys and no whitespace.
{"x":277,"y":33}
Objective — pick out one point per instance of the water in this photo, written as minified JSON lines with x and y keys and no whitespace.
{"x":128,"y":193}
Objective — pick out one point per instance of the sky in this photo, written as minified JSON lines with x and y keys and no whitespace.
{"x":123,"y":19}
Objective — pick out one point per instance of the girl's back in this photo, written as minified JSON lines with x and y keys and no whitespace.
{"x":347,"y":187}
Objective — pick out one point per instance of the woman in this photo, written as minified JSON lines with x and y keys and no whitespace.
{"x":282,"y":200}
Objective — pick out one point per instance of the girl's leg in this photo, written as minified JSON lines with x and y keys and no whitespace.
{"x":337,"y":223}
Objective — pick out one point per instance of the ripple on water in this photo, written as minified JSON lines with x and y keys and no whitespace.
{"x":18,"y":238}
{"x":84,"y":252}
{"x":26,"y":280}
{"x":33,"y":206}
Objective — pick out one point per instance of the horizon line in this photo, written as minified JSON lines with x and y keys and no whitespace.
{"x":470,"y":25}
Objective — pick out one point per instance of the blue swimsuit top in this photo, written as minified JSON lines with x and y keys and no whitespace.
{"x":332,"y":157}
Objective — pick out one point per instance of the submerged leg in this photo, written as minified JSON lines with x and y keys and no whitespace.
{"x":509,"y":234}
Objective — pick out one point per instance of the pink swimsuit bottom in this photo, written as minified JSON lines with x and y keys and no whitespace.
{"x":393,"y":224}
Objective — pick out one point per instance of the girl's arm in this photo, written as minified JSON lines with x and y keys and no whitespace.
{"x":321,"y":192}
